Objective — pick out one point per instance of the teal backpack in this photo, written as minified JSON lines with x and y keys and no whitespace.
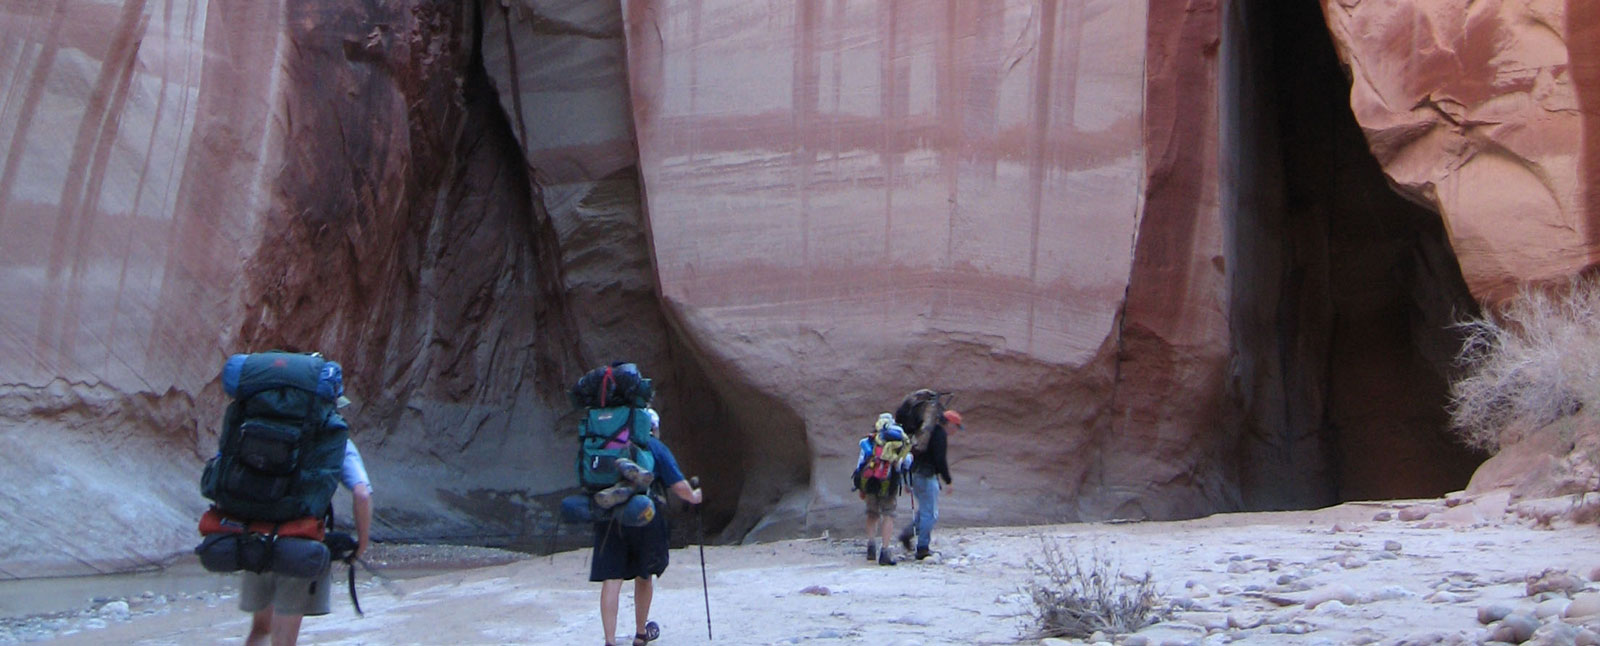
{"x":282,"y":443}
{"x":606,"y":435}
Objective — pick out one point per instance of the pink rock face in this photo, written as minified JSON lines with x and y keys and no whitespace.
{"x":907,"y":194}
{"x":187,"y":180}
{"x":1488,"y":113}
{"x":113,"y":218}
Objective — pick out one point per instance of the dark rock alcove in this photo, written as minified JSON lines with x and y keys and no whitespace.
{"x":1342,"y":292}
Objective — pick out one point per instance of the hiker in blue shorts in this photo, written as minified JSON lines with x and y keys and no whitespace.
{"x":638,"y":553}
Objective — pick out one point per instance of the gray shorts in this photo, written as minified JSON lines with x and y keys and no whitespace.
{"x":880,"y":505}
{"x":285,"y":595}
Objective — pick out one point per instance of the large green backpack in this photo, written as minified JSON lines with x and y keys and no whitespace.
{"x":282,"y":443}
{"x":606,"y":435}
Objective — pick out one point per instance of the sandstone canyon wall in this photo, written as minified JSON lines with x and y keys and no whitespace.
{"x":851,"y":200}
{"x":1144,"y":243}
{"x":1485,"y":112}
{"x":187,"y":180}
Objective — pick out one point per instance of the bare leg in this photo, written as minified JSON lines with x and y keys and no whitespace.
{"x":610,"y":590}
{"x":260,"y":628}
{"x":643,"y":589}
{"x":285,"y":629}
{"x":872,"y":534}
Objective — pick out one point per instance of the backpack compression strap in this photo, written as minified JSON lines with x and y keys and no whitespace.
{"x":606,"y":382}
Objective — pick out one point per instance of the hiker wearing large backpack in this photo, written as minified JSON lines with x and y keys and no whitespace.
{"x":882,"y":464}
{"x":929,"y":466}
{"x":282,"y":453}
{"x":623,"y":552}
{"x":277,"y":603}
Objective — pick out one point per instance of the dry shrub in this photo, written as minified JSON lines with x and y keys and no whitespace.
{"x":1533,"y":360}
{"x":1073,"y":597}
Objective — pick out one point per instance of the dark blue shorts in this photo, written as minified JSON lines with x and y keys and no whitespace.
{"x":630,"y":552}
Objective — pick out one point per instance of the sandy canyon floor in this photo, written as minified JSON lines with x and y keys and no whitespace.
{"x":1397,"y":572}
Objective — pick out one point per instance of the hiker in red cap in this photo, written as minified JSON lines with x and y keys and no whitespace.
{"x":928,"y":467}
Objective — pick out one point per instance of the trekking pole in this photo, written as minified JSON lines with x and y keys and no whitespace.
{"x":382,"y":579}
{"x":700,"y":526}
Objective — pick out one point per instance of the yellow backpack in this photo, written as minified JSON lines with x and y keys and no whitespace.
{"x":879,"y":474}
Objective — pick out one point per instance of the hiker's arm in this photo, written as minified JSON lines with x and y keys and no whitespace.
{"x":361,"y":510}
{"x":688,"y":493}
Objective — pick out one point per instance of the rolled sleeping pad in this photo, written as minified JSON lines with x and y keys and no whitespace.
{"x":578,"y":508}
{"x":288,"y":556}
{"x":637,"y":512}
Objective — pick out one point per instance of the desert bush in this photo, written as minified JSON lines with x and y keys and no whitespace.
{"x":1069,"y":596}
{"x":1529,"y":362}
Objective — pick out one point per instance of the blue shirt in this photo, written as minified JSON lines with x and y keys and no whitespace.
{"x":353,"y":471}
{"x":667,"y":472}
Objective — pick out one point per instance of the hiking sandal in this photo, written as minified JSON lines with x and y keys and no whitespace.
{"x":652,"y":632}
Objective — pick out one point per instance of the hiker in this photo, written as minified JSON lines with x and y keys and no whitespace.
{"x":929,"y":466}
{"x":282,"y":453}
{"x":278,"y":602}
{"x":623,"y":552}
{"x":885,"y":457}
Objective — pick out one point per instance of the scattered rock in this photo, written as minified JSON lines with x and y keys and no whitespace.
{"x":1414,"y":513}
{"x":1351,"y":561}
{"x":1556,"y":633}
{"x":1554,"y":580}
{"x":1296,"y":628}
{"x":819,"y":590}
{"x":1391,"y":546}
{"x":1583,"y":604}
{"x":1551,"y":608}
{"x":1136,"y":640}
{"x":1494,"y":612}
{"x":1209,"y":621}
{"x":1388,"y":593}
{"x":1333,"y":607}
{"x":1515,"y":629}
{"x":114,"y":610}
{"x":1337,"y":592}
{"x":1382,"y":516}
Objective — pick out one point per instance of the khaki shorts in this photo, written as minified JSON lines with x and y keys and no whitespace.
{"x":285,"y":595}
{"x":880,"y":505}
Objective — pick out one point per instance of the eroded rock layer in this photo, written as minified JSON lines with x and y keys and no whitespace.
{"x":1157,"y":289}
{"x":1486,"y":112}
{"x":251,"y":175}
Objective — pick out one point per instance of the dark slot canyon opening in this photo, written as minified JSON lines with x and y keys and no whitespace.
{"x":596,"y":282}
{"x":1342,"y":291}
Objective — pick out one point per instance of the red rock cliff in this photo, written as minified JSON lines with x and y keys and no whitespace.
{"x":1147,"y":244}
